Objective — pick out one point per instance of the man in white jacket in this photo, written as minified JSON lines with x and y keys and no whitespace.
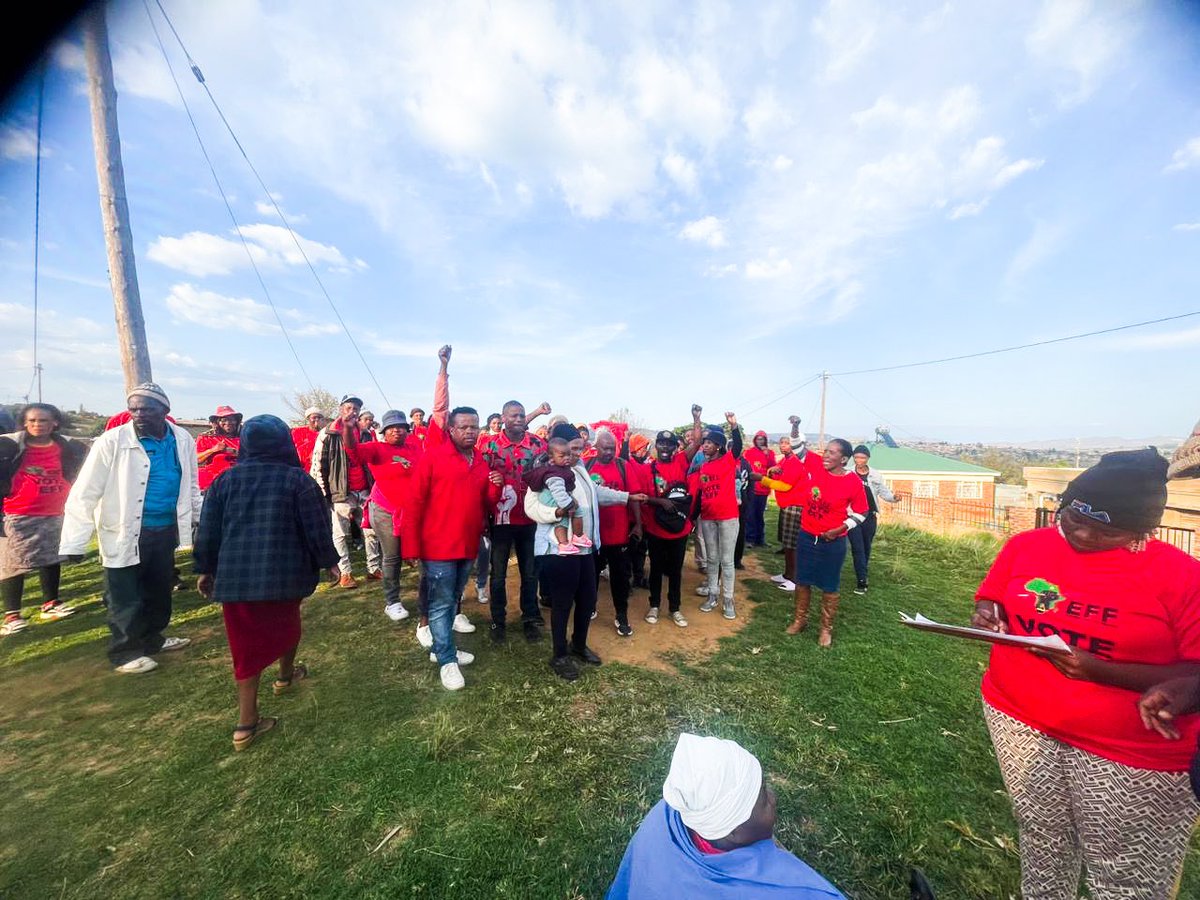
{"x":138,"y":490}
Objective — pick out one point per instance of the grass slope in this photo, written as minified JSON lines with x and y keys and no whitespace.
{"x":520,"y":785}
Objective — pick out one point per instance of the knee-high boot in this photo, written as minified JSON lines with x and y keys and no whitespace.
{"x":829,"y":605}
{"x":800,"y":619}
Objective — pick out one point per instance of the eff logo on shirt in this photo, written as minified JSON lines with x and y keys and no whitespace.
{"x":1048,"y":595}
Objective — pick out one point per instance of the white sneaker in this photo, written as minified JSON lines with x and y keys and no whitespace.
{"x":481,"y":594}
{"x":462,"y":624}
{"x":12,"y":626}
{"x":652,"y":615}
{"x":424,"y":636}
{"x":702,"y":589}
{"x":174,"y":643}
{"x":786,"y":585}
{"x":678,"y":618}
{"x":452,"y":679}
{"x":464,"y":658}
{"x":138,"y":666}
{"x":57,"y":611}
{"x":778,"y":579}
{"x":396,"y":611}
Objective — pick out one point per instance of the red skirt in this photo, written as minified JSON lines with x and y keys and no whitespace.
{"x":260,"y":632}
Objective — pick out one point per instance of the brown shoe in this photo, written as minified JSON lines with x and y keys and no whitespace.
{"x":800,"y":620}
{"x":375,"y":576}
{"x":829,"y":605}
{"x":347,"y":581}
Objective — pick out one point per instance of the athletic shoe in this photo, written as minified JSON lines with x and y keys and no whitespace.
{"x":452,"y":679}
{"x":174,"y":643}
{"x":464,"y":658}
{"x":375,"y":576}
{"x":593,"y":616}
{"x":785,"y":585}
{"x":424,"y":636}
{"x":862,"y":588}
{"x":13,"y":624}
{"x":623,"y":628}
{"x":57,"y":610}
{"x":581,"y":540}
{"x":604,"y":573}
{"x":347,"y":581}
{"x":396,"y":611}
{"x":652,"y":615}
{"x":729,"y":612}
{"x":568,"y":549}
{"x":533,"y":631}
{"x":678,"y":619}
{"x":481,"y":594}
{"x":462,"y":624}
{"x":709,"y":605}
{"x":564,"y":667}
{"x":137,"y":666}
{"x":779,"y":579}
{"x":702,"y":589}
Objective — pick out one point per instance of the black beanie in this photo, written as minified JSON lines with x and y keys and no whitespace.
{"x":863,"y":449}
{"x":565,"y":431}
{"x":1126,"y":489}
{"x":717,"y":437}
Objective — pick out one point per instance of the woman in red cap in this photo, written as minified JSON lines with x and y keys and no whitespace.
{"x":217,"y":448}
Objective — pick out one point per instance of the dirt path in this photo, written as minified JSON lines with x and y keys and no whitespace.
{"x":650,"y":646}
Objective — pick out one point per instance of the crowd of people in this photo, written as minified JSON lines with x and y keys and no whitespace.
{"x":1098,"y":778}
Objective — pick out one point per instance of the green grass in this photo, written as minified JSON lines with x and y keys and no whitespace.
{"x":519,"y":786}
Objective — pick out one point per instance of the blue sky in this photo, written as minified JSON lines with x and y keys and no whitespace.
{"x":639,"y":204}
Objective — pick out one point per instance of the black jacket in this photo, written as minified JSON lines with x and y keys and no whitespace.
{"x":12,"y":448}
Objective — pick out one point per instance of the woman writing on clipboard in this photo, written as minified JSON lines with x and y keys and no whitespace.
{"x":1090,"y":785}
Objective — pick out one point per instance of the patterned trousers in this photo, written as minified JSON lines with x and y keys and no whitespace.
{"x":1130,"y":827}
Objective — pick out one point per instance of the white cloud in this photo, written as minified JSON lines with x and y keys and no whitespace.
{"x":684,"y":97}
{"x":201,"y":254}
{"x":1188,"y":226}
{"x":848,"y":29}
{"x":781,"y":163}
{"x":681,"y":170}
{"x":1185,"y":157}
{"x":1043,"y":242}
{"x":963,"y":210}
{"x":773,"y":266}
{"x":765,"y":118}
{"x":263,"y":208}
{"x":708,"y":230}
{"x":716,"y":271}
{"x":1081,"y":39}
{"x":189,"y":304}
{"x":486,"y":175}
{"x":1167,"y":340}
{"x":18,"y":143}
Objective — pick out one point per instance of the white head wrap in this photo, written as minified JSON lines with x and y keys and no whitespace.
{"x":713,"y":784}
{"x":314,"y":411}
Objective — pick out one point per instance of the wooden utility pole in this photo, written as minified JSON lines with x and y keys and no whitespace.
{"x":824,"y":390}
{"x":114,"y":210}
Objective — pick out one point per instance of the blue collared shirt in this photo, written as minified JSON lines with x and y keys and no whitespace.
{"x":162,"y":487}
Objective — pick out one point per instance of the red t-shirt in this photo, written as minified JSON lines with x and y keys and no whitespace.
{"x":1121,"y":606}
{"x":614,"y":520}
{"x":716,"y":483}
{"x":828,"y":498}
{"x":38,"y":487}
{"x":760,"y":461}
{"x":659,"y":477}
{"x":218,"y":462}
{"x":793,"y":472}
{"x":305,"y":439}
{"x":448,"y":505}
{"x":391,"y":467}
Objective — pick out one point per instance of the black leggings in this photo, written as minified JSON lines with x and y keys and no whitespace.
{"x":666,"y":558}
{"x":13,"y":589}
{"x":571,"y":582}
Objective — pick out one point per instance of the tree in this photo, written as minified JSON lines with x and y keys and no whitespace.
{"x":635,"y":423}
{"x":302,"y":400}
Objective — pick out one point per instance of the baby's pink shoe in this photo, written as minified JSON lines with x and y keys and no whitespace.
{"x":581,"y":540}
{"x":567,"y":550}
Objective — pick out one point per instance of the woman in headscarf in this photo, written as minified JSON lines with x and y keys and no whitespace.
{"x":37,"y":468}
{"x":263,"y":541}
{"x":1091,"y":787}
{"x":711,"y":836}
{"x":217,"y":448}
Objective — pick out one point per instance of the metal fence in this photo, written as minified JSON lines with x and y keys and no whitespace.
{"x":967,"y":513}
{"x":1183,"y":538}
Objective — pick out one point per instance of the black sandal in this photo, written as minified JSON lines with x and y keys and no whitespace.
{"x":262,"y":726}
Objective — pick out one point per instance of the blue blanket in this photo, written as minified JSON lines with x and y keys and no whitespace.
{"x":661,"y":861}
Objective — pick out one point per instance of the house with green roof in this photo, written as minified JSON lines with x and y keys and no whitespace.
{"x":927,"y":475}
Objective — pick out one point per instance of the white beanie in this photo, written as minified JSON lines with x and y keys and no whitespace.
{"x":713,"y":784}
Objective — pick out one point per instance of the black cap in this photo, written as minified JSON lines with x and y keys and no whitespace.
{"x":863,"y":449}
{"x":666,"y":437}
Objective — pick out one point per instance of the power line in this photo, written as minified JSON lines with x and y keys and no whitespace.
{"x":882,"y":418}
{"x":271,"y":197}
{"x":1070,"y":337}
{"x":225,"y":199}
{"x":786,"y":393}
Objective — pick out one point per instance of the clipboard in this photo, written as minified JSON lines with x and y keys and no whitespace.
{"x":1052,"y":644}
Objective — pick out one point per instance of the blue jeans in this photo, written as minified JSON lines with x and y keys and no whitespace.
{"x":482,"y":561}
{"x":861,"y":539}
{"x":756,"y":530}
{"x":447,"y":578}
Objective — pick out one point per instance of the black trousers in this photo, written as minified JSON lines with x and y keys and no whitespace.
{"x":635,"y":550}
{"x":13,"y":589}
{"x":570,"y":582}
{"x":666,"y":559}
{"x":618,"y":577}
{"x":139,"y":597}
{"x":508,"y":539}
{"x":739,"y":546}
{"x":861,"y":539}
